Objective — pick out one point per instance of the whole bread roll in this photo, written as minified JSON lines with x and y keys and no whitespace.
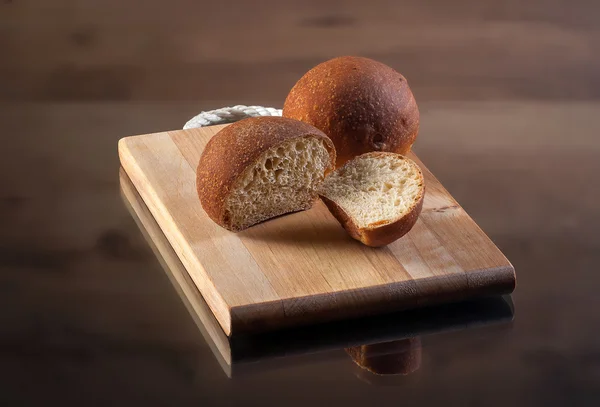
{"x":262,"y":167}
{"x":361,"y":104}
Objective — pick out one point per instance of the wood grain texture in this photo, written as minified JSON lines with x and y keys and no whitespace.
{"x":304,"y":268}
{"x":371,"y":336}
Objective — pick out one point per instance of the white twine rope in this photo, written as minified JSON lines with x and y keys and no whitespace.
{"x":229,"y":115}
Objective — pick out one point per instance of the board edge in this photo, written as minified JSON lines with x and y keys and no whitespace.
{"x":220,"y":308}
{"x":496,"y":281}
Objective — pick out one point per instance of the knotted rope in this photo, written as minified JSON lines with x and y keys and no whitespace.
{"x":229,"y":115}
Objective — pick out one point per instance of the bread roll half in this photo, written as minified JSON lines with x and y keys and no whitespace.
{"x":377,"y":197}
{"x":262,"y":167}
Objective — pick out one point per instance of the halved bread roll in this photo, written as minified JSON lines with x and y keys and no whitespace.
{"x":377,"y":197}
{"x":262,"y":167}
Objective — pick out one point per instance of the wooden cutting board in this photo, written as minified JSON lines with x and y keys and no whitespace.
{"x":238,"y":354}
{"x":303,"y":267}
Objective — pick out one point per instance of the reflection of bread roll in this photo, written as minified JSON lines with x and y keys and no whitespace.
{"x":361,"y":104}
{"x":260,"y":168}
{"x":391,"y":358}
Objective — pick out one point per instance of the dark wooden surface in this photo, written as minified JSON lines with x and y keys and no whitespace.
{"x":510,"y":124}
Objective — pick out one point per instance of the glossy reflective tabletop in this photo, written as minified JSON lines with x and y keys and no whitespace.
{"x":92,"y":310}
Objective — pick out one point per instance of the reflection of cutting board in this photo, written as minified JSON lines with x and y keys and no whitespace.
{"x":303,"y":267}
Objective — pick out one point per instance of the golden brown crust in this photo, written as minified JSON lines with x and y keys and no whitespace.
{"x":361,"y":104}
{"x":237,"y":146}
{"x":379,"y":235}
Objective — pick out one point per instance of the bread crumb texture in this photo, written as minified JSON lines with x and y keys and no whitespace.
{"x":375,"y":189}
{"x":285,"y":178}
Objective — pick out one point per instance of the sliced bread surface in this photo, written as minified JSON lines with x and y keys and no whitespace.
{"x":260,"y":168}
{"x":377,"y":197}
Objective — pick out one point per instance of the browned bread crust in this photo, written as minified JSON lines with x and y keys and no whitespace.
{"x":361,"y":104}
{"x":379,"y":235}
{"x":376,"y":236}
{"x":239,"y":145}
